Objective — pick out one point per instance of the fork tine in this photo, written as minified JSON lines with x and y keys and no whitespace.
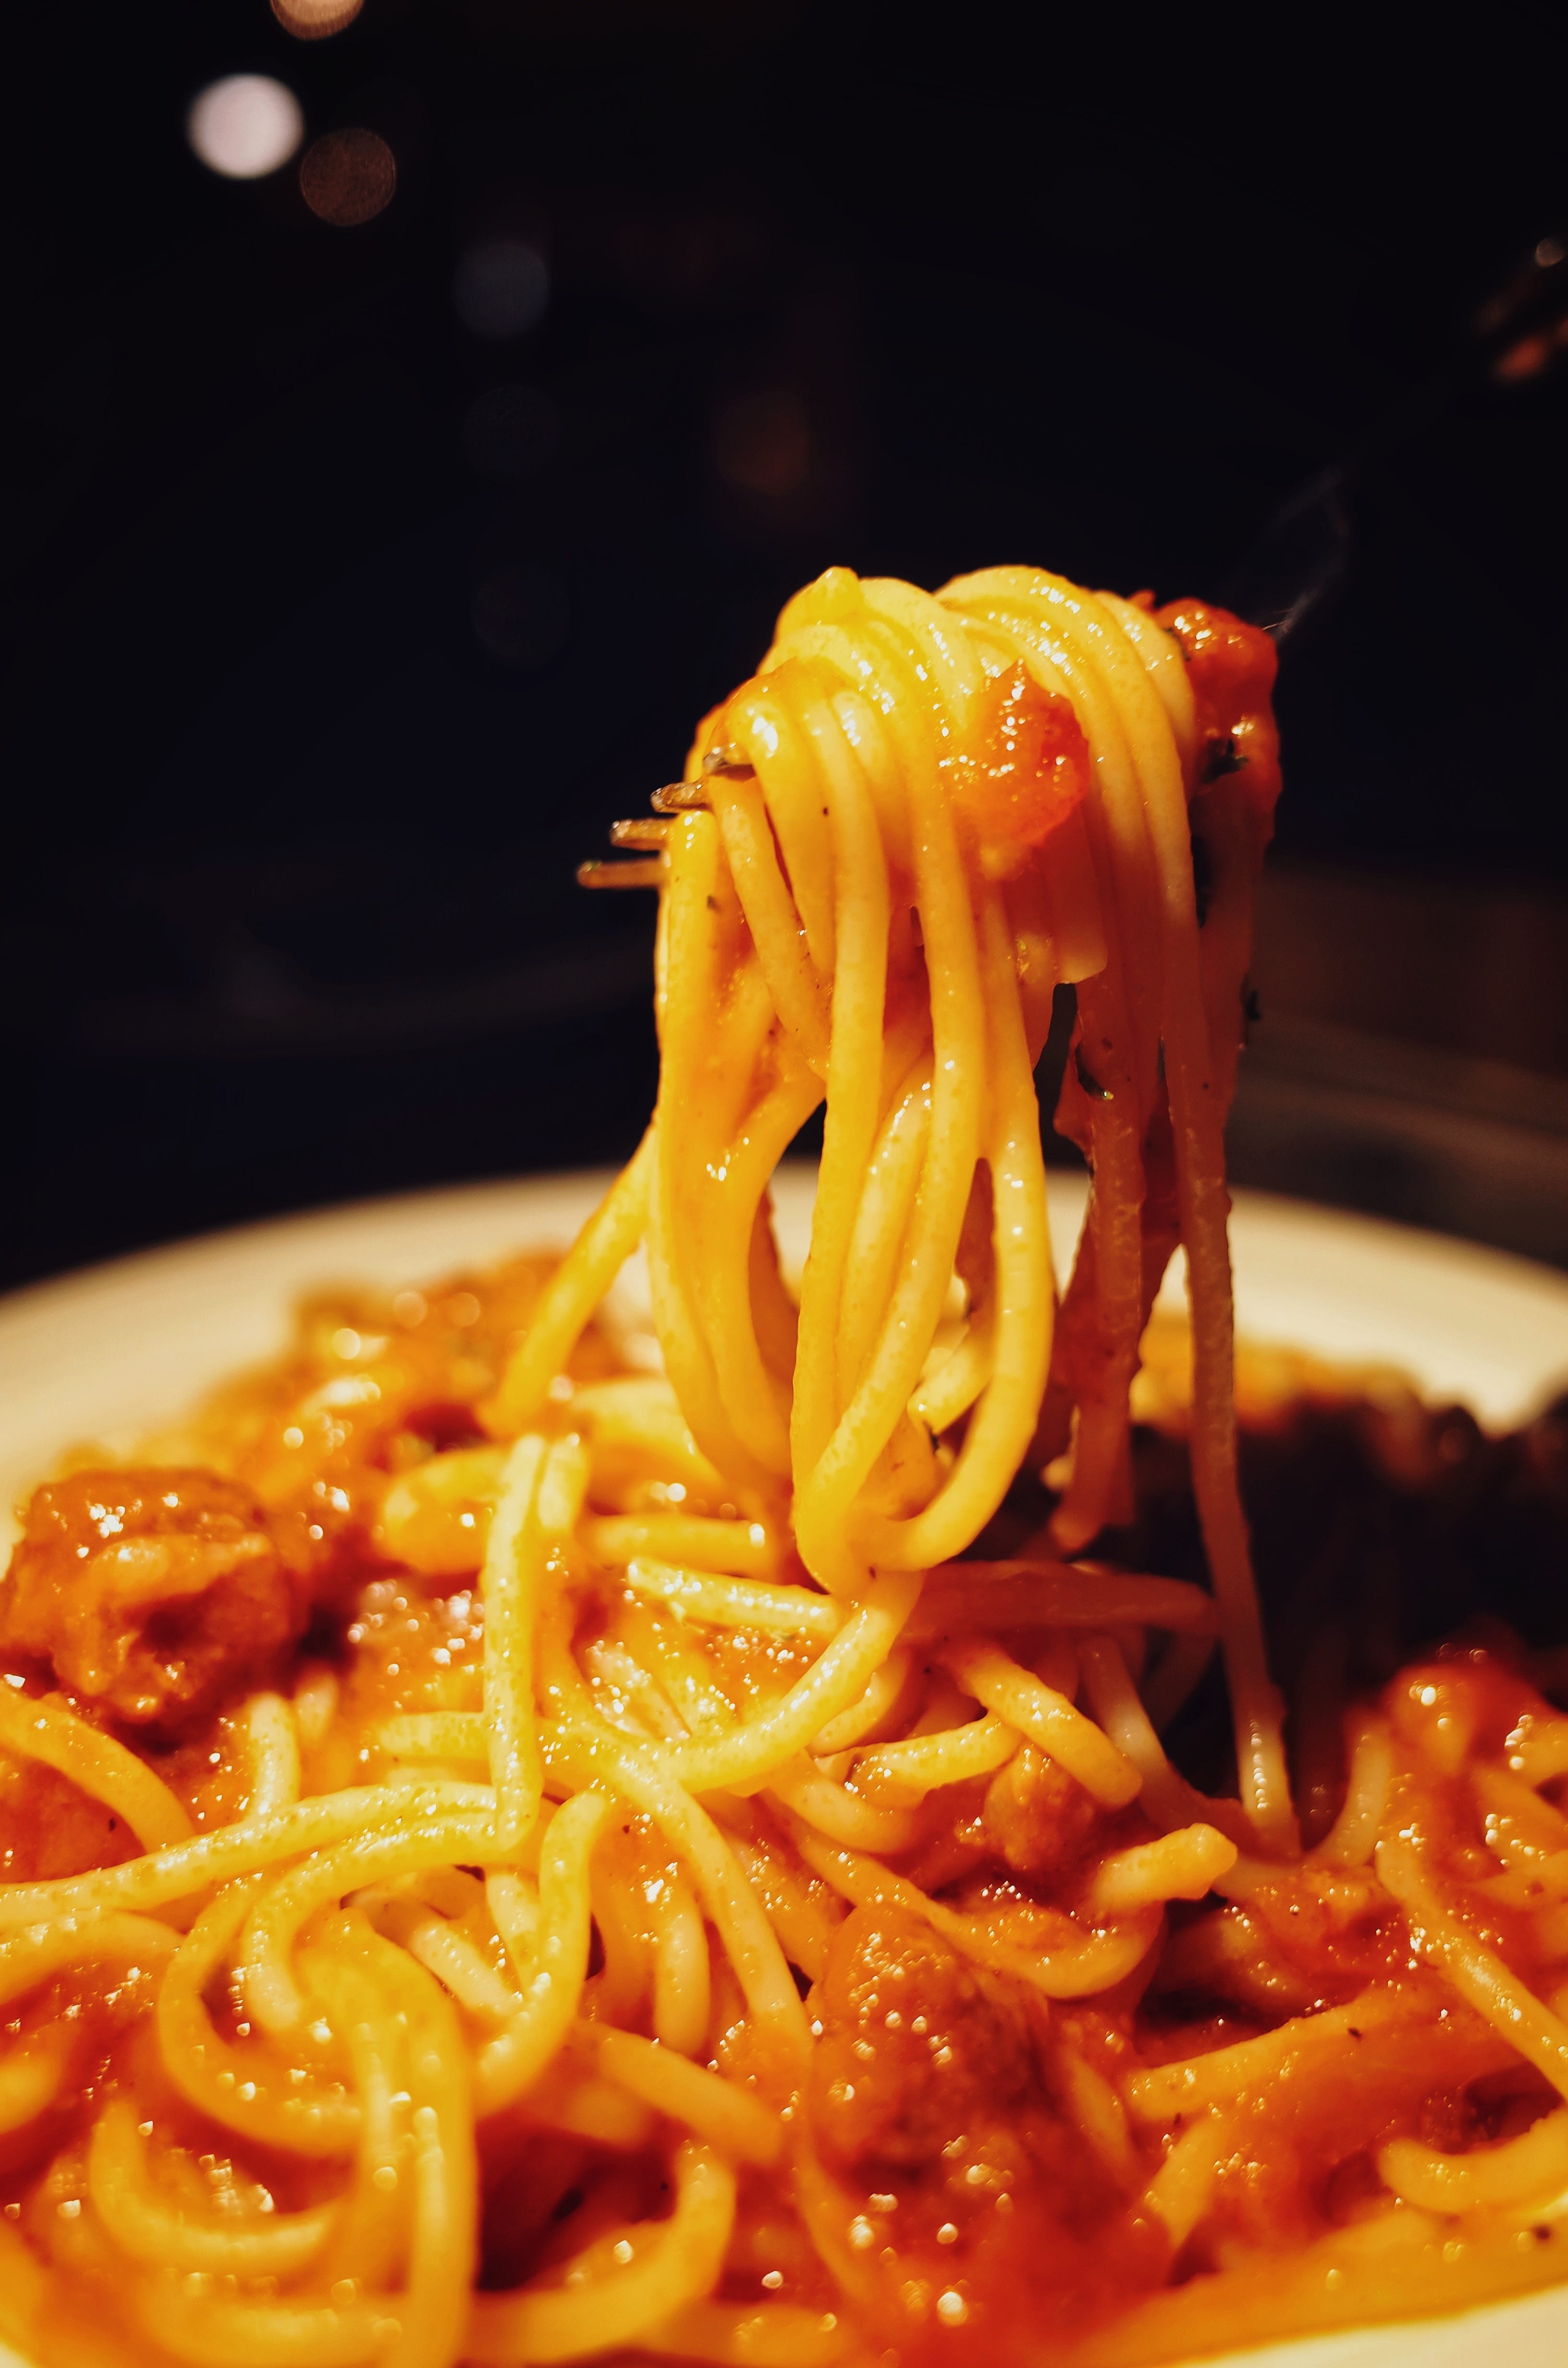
{"x":680,"y":797}
{"x":728,"y":758}
{"x":647,"y":874}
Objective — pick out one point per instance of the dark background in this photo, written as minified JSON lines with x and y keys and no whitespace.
{"x":338,"y":629}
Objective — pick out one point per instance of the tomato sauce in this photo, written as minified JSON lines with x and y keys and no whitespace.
{"x":1230,"y":667}
{"x":967,"y":2185}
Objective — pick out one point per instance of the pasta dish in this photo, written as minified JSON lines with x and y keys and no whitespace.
{"x":789,"y":1850}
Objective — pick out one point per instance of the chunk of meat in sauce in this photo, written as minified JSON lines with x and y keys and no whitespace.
{"x":371,"y":1391}
{"x":156,"y":1593}
{"x":914,"y":2042}
{"x":49,"y":1827}
{"x":1037,"y":1819}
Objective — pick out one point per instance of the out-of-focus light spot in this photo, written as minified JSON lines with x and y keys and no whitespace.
{"x":1531,"y":355}
{"x":1548,"y":253}
{"x":315,"y":20}
{"x":521,"y":616}
{"x":510,"y":431}
{"x":245,"y":126}
{"x":500,"y":286}
{"x":763,"y":442}
{"x":348,"y":178}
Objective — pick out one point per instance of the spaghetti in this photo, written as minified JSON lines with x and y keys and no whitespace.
{"x":512,"y":1856}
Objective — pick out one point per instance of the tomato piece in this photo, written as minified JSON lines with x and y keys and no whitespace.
{"x":1231,"y":666}
{"x":1020,"y":769}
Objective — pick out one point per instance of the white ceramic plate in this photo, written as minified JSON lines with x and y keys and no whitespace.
{"x":109,"y":1352}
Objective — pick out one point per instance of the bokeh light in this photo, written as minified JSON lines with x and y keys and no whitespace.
{"x":347,"y":178}
{"x":245,"y":126}
{"x":500,"y":286}
{"x":315,"y":20}
{"x":1528,"y":357}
